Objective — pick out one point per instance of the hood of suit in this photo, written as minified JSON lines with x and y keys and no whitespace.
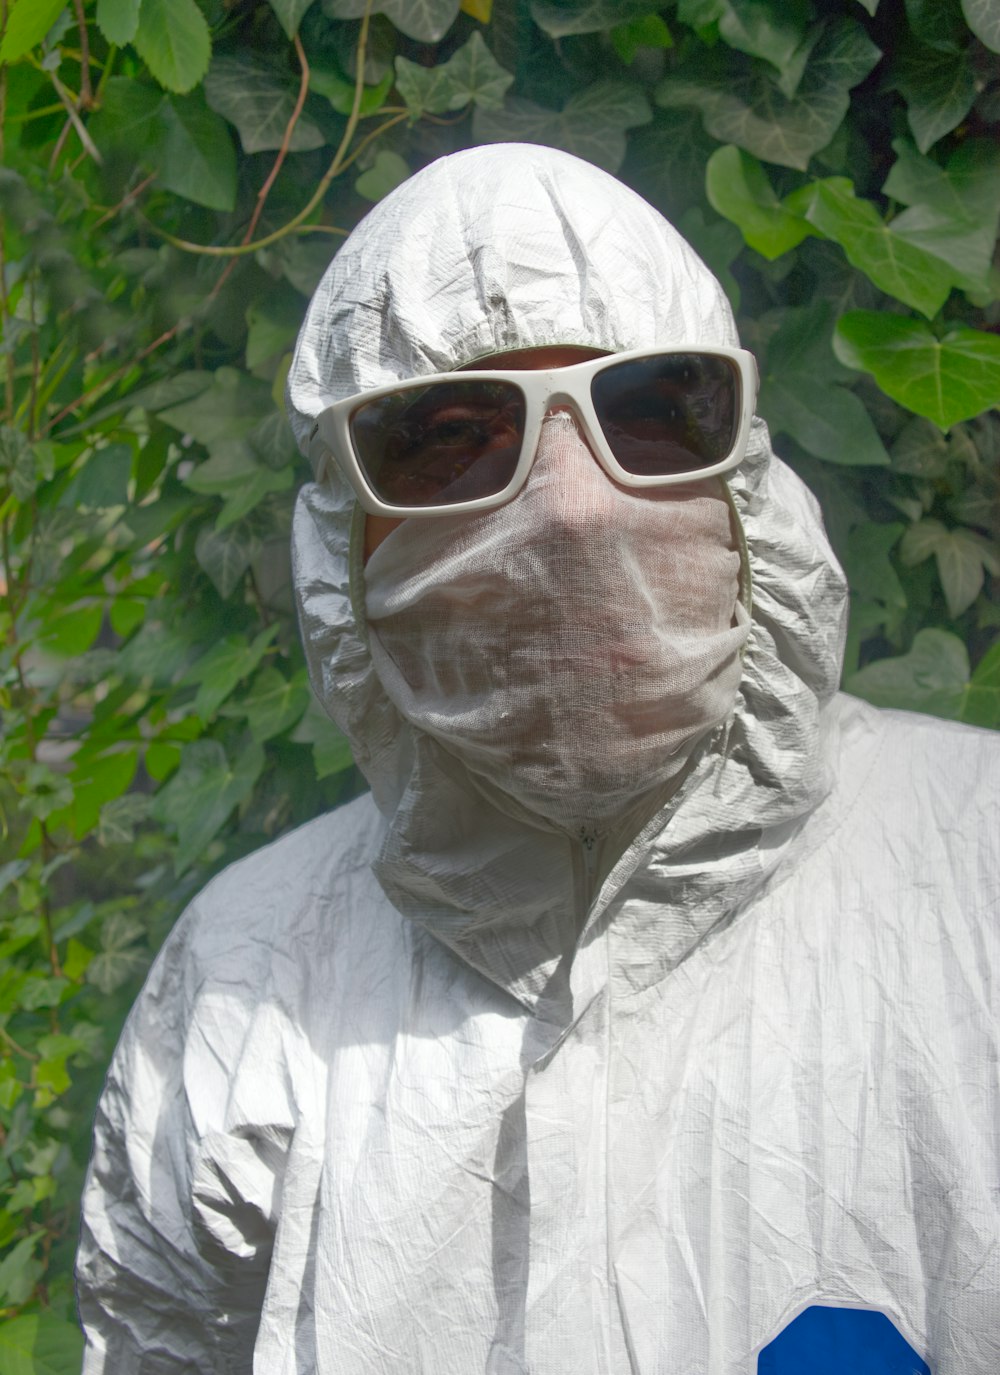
{"x":524,"y":808}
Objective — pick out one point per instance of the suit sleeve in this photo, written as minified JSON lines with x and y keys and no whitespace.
{"x":178,"y":1208}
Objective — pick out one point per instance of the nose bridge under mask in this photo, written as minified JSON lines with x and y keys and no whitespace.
{"x":567,"y":476}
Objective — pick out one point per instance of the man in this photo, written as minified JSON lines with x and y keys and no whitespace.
{"x":640,"y":1020}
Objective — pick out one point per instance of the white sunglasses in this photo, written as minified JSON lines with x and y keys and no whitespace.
{"x":465,"y":441}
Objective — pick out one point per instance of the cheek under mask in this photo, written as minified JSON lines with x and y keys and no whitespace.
{"x":570,"y":647}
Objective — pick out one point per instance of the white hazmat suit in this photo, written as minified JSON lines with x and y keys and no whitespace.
{"x":662,"y":1045}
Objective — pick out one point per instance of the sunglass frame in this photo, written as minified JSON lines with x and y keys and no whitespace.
{"x":543,"y":389}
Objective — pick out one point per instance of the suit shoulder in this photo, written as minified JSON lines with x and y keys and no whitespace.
{"x":919,"y":771}
{"x":291,"y":893}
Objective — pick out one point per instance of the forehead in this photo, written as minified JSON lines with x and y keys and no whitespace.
{"x":530,"y":360}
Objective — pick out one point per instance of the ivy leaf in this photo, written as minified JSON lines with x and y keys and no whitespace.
{"x":72,"y":631}
{"x":118,"y":20}
{"x":773,"y":32}
{"x":920,"y":450}
{"x":978,"y":501}
{"x":12,"y":871}
{"x":196,"y":155}
{"x":224,"y":667}
{"x":78,"y":956}
{"x":272,"y":324}
{"x":178,"y":138}
{"x":199,"y":798}
{"x":471,"y":76}
{"x":174,"y":42}
{"x":228,"y":408}
{"x":155,"y":653}
{"x":259,"y":100}
{"x":961,"y":556}
{"x":387,"y":172}
{"x":302,"y":259}
{"x":870,"y":572}
{"x":330,"y":749}
{"x":233,"y":472}
{"x":95,"y":782}
{"x":477,"y":77}
{"x":717,"y":244}
{"x":169,"y":391}
{"x":425,"y":20}
{"x":19,"y":1272}
{"x":272,"y":440}
{"x":119,"y":958}
{"x":559,"y":18}
{"x":17,"y":458}
{"x":290,"y":14}
{"x":102,"y":482}
{"x":947,"y":380}
{"x":738,"y":188}
{"x":667,"y":159}
{"x":896,"y":267}
{"x":327,"y":82}
{"x":225,"y":555}
{"x":983,"y":18}
{"x":939,"y":88}
{"x":27,"y":25}
{"x":751,"y":111}
{"x":273,"y":704}
{"x":937,"y":23}
{"x":829,"y":422}
{"x":982,"y":698}
{"x":591,"y":125}
{"x":119,"y":818}
{"x":42,"y":991}
{"x":128,"y":118}
{"x":648,"y":32}
{"x":933,"y":677}
{"x":425,"y":90}
{"x":953,"y":211}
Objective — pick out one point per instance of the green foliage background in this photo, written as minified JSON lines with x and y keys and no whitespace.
{"x":176,"y":176}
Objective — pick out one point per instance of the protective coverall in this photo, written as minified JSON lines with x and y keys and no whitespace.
{"x":435,"y":1084}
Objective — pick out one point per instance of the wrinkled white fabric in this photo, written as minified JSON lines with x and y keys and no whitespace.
{"x":426,"y":1087}
{"x":571,"y":647}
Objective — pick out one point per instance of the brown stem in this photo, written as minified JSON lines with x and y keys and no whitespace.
{"x":86,"y":95}
{"x":35,"y":361}
{"x":73,"y":113}
{"x":4,"y":312}
{"x":286,"y":144}
{"x":375,"y":133}
{"x":129,"y":196}
{"x":4,"y":319}
{"x":8,"y":592}
{"x":60,"y":144}
{"x":439,"y":119}
{"x":48,"y":850}
{"x":113,"y":377}
{"x":265,"y":190}
{"x":18,"y":1050}
{"x":334,"y":170}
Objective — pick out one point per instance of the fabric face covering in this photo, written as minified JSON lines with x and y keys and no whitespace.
{"x":570,"y":647}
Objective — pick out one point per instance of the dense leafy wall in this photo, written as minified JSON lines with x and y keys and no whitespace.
{"x":176,"y":175}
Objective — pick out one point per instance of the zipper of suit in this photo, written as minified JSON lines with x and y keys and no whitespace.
{"x":585,"y":858}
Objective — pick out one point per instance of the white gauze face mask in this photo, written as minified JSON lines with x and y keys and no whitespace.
{"x":572,"y":646}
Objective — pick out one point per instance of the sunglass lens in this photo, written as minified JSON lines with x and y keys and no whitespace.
{"x":675,"y":413}
{"x":440,"y":444}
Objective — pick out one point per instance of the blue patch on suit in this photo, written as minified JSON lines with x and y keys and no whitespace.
{"x":840,"y":1341}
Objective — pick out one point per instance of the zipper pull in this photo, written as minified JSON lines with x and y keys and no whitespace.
{"x":588,"y":841}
